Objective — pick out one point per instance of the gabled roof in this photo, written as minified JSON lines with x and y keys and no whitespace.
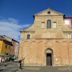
{"x":45,"y":12}
{"x":4,"y":37}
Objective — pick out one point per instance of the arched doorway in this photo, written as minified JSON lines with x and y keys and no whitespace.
{"x":49,"y":56}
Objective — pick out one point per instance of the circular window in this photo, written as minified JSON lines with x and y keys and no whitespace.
{"x":49,"y":12}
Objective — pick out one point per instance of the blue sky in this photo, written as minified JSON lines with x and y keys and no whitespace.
{"x":16,"y":14}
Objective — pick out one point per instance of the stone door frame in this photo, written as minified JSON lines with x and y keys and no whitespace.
{"x":49,"y":51}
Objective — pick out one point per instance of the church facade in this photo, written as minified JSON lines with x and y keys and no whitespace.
{"x":48,"y":41}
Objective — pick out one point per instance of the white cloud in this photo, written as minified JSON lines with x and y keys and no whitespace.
{"x":10,"y":27}
{"x":13,"y":20}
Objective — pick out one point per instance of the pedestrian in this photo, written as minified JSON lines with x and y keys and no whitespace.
{"x":20,"y":62}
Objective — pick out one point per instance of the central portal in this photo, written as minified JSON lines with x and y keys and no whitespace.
{"x":49,"y":53}
{"x":48,"y":59}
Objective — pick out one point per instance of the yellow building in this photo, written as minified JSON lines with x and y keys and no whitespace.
{"x":5,"y":45}
{"x":8,"y":46}
{"x":48,"y":41}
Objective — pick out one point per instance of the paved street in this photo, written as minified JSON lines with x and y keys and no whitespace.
{"x":14,"y":67}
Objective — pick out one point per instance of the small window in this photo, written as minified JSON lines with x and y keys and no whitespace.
{"x":69,"y":36}
{"x":28,"y":36}
{"x":54,"y":25}
{"x":48,"y":24}
{"x":43,"y":25}
{"x":49,"y":12}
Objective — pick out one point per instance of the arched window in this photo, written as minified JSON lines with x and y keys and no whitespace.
{"x":28,"y":36}
{"x":48,"y":24}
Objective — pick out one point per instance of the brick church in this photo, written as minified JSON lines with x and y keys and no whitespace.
{"x":48,"y":41}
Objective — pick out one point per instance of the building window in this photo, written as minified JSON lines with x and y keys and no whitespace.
{"x":54,"y":25}
{"x":43,"y":25}
{"x":69,"y":36}
{"x":49,"y":12}
{"x":48,"y":24}
{"x":28,"y":36}
{"x":67,"y":22}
